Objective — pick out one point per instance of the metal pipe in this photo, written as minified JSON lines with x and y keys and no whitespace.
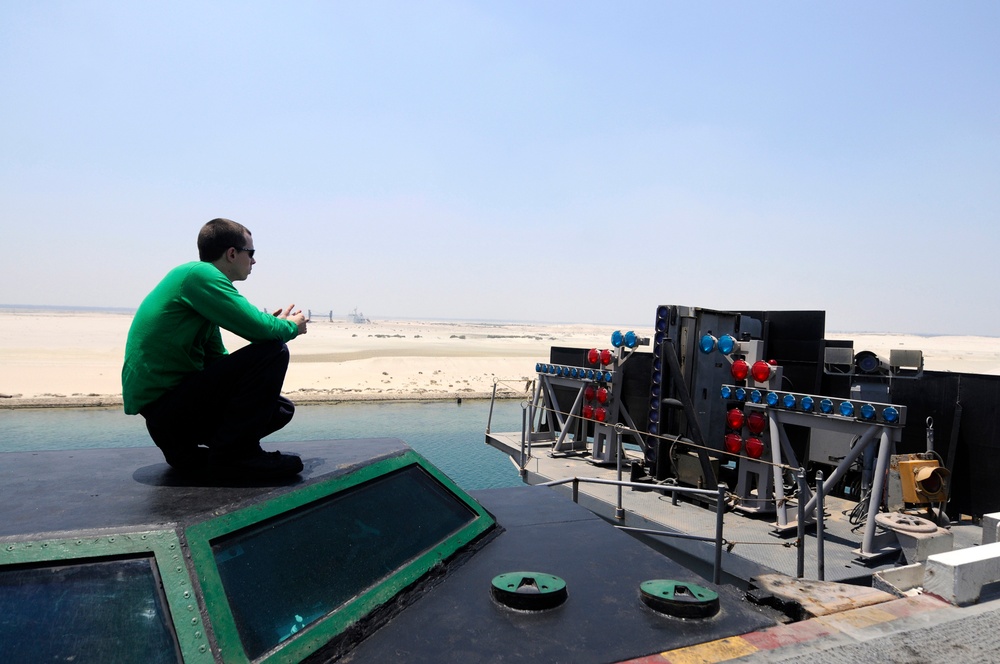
{"x":524,"y":438}
{"x":619,"y":510}
{"x":779,"y":473}
{"x":875,"y":497}
{"x":720,"y":507}
{"x":635,"y":485}
{"x":489,"y":420}
{"x":800,"y":564}
{"x":848,"y":461}
{"x":820,"y":527}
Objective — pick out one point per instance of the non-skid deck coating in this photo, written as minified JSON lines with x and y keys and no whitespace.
{"x":755,"y":546}
{"x":447,"y":616}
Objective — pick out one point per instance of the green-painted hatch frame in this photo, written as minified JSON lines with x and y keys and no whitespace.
{"x":200,"y":536}
{"x":163,"y":546}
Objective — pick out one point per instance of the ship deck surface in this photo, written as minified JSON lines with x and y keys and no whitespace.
{"x":756,"y":545}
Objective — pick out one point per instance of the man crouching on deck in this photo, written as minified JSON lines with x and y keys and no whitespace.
{"x":205,"y":408}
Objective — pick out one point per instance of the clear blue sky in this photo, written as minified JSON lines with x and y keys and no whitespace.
{"x":553,"y":161}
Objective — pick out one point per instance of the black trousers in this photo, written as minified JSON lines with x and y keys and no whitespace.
{"x":226,"y":408}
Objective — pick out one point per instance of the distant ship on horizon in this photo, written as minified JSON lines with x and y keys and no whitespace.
{"x":358,"y":317}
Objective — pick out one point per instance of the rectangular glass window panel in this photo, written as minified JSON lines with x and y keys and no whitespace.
{"x":284,"y":574}
{"x":100,"y":612}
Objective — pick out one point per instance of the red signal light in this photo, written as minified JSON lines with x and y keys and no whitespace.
{"x":588,"y":393}
{"x":588,"y":412}
{"x":755,"y":447}
{"x":600,"y":414}
{"x":735,"y":419}
{"x":602,"y":395}
{"x":605,"y":357}
{"x":756,"y":422}
{"x":733,"y":443}
{"x":593,"y":355}
{"x":761,"y":371}
{"x":740,"y":370}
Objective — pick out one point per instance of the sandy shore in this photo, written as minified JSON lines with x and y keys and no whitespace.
{"x":73,"y":359}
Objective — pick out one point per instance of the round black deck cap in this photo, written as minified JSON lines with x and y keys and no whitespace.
{"x":529,"y":591}
{"x":679,"y":599}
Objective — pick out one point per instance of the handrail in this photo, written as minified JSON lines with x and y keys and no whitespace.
{"x":676,"y":489}
{"x":720,"y":495}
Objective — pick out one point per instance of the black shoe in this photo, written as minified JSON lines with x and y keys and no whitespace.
{"x":189,"y":460}
{"x":262,"y":465}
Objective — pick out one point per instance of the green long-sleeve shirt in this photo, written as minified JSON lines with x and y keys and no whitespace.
{"x":175,"y":331}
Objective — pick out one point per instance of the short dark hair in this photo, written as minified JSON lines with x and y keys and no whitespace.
{"x":218,"y":235}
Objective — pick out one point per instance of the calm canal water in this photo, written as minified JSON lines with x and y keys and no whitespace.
{"x":449,"y":435}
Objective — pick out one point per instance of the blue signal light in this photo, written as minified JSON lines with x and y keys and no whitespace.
{"x":631,"y":339}
{"x":772,"y":399}
{"x":890,"y":415}
{"x":707,"y":344}
{"x":846,"y":409}
{"x":654,"y":428}
{"x":868,"y":412}
{"x":727,"y":392}
{"x":788,"y":401}
{"x":538,"y":367}
{"x":826,"y":406}
{"x":590,"y":374}
{"x":727,"y":344}
{"x":808,"y":404}
{"x":607,"y":376}
{"x":756,"y":396}
{"x":741,"y":394}
{"x":617,"y":338}
{"x":553,"y":369}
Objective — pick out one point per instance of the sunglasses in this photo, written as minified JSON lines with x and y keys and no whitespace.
{"x":249,"y":251}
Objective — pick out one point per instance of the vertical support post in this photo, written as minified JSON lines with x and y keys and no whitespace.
{"x":619,"y":510}
{"x":820,"y":527}
{"x":800,"y":564}
{"x":875,"y":498}
{"x":576,"y":490}
{"x":779,"y":473}
{"x":720,"y":507}
{"x":536,"y":409}
{"x":523,"y":469}
{"x":493,"y":399}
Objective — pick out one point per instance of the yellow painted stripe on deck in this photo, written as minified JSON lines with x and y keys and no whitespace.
{"x":711,"y":651}
{"x":858,"y":618}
